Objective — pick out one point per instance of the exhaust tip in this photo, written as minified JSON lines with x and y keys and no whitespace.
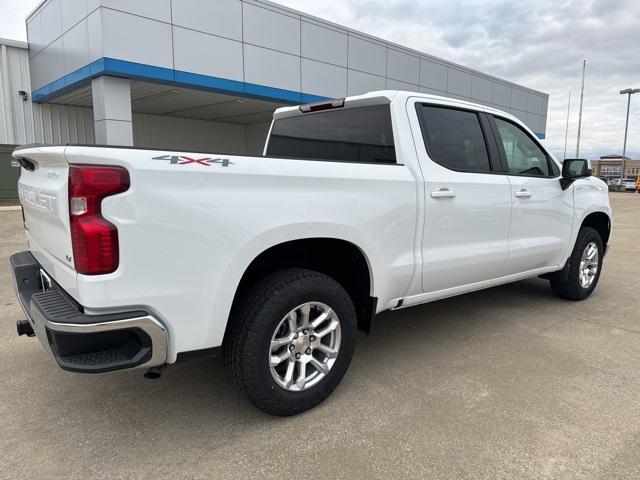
{"x":23,"y":327}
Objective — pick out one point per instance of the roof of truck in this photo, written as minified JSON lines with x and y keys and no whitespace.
{"x":387,"y":96}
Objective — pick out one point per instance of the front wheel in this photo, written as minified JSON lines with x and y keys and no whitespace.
{"x":585,"y":266}
{"x":291,"y":340}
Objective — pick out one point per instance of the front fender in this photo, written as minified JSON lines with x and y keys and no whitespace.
{"x":591,"y":195}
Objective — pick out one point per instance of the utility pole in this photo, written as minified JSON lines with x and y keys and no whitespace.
{"x":584,"y":67}
{"x":566,"y":130}
{"x":628,"y":92}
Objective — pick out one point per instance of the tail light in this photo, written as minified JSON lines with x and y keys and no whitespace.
{"x":94,"y":239}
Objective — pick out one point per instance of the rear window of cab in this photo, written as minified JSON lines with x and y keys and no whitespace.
{"x":357,"y":134}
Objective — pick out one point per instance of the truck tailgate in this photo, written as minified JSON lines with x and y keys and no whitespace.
{"x":43,"y":190}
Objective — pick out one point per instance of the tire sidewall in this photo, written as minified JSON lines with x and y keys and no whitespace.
{"x":586,"y":236}
{"x":256,"y":367}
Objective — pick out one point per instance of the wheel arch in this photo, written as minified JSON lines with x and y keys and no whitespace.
{"x":601,"y":222}
{"x":338,"y":258}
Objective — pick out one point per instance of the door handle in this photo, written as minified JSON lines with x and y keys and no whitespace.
{"x":523,"y":194}
{"x":443,"y":193}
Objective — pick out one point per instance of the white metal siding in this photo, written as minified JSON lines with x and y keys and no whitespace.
{"x":173,"y":133}
{"x":61,"y":124}
{"x":256,"y":135}
{"x":26,"y":122}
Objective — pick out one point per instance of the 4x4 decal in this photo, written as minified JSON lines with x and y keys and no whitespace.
{"x":184,"y":160}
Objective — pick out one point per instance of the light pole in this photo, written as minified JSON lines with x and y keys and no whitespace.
{"x":584,"y":68}
{"x":628,"y":92}
{"x":566,"y":131}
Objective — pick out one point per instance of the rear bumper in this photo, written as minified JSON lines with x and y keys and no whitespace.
{"x":85,"y":343}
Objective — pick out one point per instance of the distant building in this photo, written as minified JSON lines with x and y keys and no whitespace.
{"x":608,"y":167}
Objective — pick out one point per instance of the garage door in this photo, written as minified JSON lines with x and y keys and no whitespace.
{"x":8,"y":173}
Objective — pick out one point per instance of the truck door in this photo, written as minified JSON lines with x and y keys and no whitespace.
{"x":468,"y":205}
{"x":542,"y":212}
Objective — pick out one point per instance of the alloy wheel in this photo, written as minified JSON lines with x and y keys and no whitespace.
{"x":304,"y":346}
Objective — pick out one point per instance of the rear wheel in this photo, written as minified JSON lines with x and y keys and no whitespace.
{"x":291,"y":340}
{"x":585,"y":265}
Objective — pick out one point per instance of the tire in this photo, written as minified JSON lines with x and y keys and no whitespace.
{"x":572,"y":288}
{"x":258,"y":317}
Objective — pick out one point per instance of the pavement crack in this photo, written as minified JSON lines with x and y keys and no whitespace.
{"x":609,"y":325}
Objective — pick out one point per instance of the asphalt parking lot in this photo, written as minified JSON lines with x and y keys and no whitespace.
{"x":506,"y":383}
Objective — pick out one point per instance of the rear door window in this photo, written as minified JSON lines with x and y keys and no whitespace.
{"x":361,"y":134}
{"x":454,"y":138}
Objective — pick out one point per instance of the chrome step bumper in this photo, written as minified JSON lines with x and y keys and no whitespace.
{"x":85,"y":343}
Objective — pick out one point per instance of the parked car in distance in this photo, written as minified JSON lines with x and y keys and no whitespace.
{"x":359,"y":205}
{"x":630,"y":184}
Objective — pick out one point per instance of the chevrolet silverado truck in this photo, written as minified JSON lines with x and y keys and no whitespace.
{"x":359,"y":205}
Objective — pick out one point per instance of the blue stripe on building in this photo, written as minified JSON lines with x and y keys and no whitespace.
{"x":169,"y":76}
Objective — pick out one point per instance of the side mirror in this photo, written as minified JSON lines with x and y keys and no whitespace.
{"x":572,"y":169}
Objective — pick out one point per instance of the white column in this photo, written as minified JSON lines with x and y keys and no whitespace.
{"x":112,"y":120}
{"x":6,"y":111}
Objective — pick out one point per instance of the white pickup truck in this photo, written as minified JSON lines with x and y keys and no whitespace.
{"x":358,"y":205}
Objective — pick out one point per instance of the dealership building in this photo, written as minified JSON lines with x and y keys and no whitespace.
{"x":205,"y":75}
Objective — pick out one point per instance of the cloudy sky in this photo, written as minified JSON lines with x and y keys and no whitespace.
{"x":537,"y":43}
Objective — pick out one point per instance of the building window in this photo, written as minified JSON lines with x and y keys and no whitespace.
{"x":611,"y":170}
